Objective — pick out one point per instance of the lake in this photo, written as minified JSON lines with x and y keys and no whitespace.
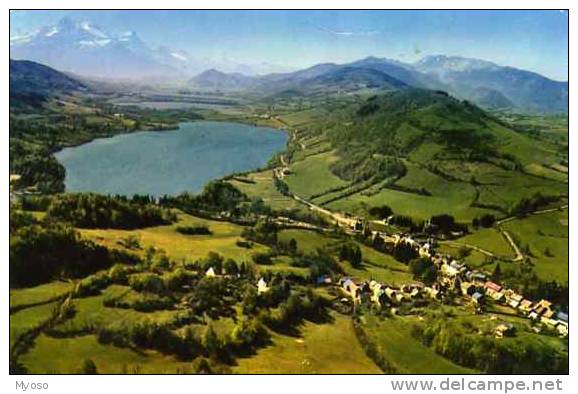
{"x":168,"y":162}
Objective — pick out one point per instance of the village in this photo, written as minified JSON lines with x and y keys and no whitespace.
{"x":454,"y":277}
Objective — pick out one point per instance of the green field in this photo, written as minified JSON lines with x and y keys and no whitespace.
{"x":264,"y":188}
{"x":29,"y":319}
{"x":312,"y":175}
{"x":66,"y":355}
{"x":394,"y":342}
{"x":329,"y":348}
{"x":181,"y":247}
{"x":21,"y":298}
{"x":90,"y":313}
{"x":546,"y":236}
{"x":489,"y":239}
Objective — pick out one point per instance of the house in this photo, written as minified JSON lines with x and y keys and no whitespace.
{"x":358,"y":225}
{"x":563,"y":317}
{"x":467,"y":288}
{"x":547,"y":318}
{"x":425,"y":250}
{"x":562,"y":328}
{"x":525,"y":306}
{"x":494,"y":290}
{"x":262,"y":286}
{"x":477,"y":277}
{"x":210,"y":273}
{"x":324,"y":280}
{"x":478,"y":298}
{"x":542,"y":308}
{"x":449,"y":271}
{"x":351,"y":288}
{"x":513,"y":299}
{"x":504,"y":329}
{"x":432,"y":292}
{"x":392,"y":294}
{"x":378,"y":295}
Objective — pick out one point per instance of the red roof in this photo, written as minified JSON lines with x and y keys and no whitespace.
{"x":493,"y":286}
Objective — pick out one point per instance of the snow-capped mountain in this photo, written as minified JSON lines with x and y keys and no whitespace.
{"x":85,"y":49}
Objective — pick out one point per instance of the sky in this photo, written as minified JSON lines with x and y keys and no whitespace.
{"x":532,"y":40}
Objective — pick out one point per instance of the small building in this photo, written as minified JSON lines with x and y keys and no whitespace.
{"x":562,"y":328}
{"x":478,"y":298}
{"x":467,"y":288}
{"x":432,"y":292}
{"x":525,"y":306}
{"x":352,"y":289}
{"x":513,"y":299}
{"x":425,"y":250}
{"x":210,"y":273}
{"x":262,"y":286}
{"x":504,"y":329}
{"x":563,"y":317}
{"x":324,"y":280}
{"x":494,"y":290}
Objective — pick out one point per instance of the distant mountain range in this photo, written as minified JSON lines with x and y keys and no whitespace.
{"x":83,"y":48}
{"x":482,"y":82}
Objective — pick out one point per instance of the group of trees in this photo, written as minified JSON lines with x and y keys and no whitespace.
{"x":351,"y":252}
{"x":41,"y":253}
{"x":89,"y":210}
{"x":264,"y":232}
{"x":530,"y":204}
{"x":217,"y":196}
{"x":486,"y":220}
{"x":423,"y":269}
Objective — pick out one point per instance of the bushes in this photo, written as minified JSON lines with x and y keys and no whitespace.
{"x":88,"y":210}
{"x":146,"y":282}
{"x":92,"y":285}
{"x":264,"y":232}
{"x":424,"y":270}
{"x":262,"y":259}
{"x":194,"y":230}
{"x":177,"y":279}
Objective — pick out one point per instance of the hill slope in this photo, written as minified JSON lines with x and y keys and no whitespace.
{"x":31,"y":83}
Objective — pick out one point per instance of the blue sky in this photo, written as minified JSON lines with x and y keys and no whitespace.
{"x":533,"y":40}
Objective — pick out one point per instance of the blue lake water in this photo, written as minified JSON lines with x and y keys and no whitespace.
{"x":168,"y":162}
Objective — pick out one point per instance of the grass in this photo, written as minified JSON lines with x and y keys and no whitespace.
{"x":541,"y":234}
{"x":307,"y":241}
{"x":28,"y":319}
{"x":181,"y":247}
{"x":21,"y":298}
{"x":91,"y":313}
{"x":264,"y":188}
{"x":312,"y":175}
{"x":66,"y":355}
{"x":394,"y":342}
{"x":489,"y":239}
{"x":319,"y":349}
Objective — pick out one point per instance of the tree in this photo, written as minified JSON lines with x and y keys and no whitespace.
{"x":487,"y":220}
{"x":292,"y":246}
{"x":231,"y":267}
{"x":89,"y":367}
{"x":497,"y":274}
{"x":211,"y":342}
